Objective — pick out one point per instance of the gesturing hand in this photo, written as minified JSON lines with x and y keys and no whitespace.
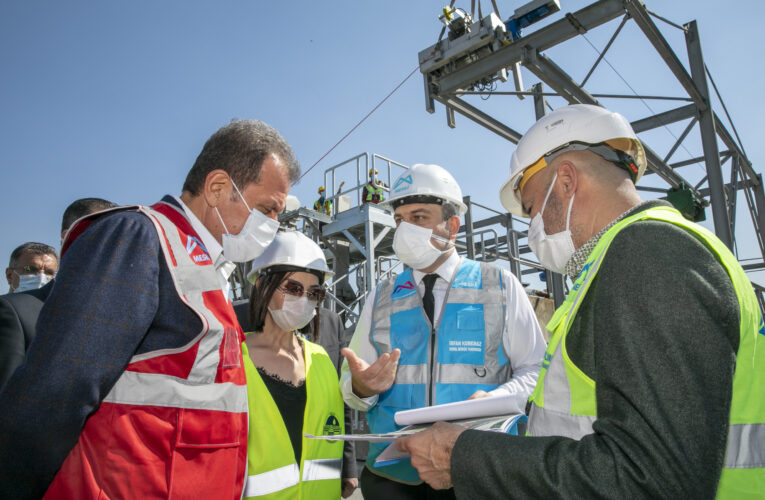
{"x":369,"y":380}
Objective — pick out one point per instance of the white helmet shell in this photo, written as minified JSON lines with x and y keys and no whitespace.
{"x":291,"y":248}
{"x":584,"y":123}
{"x":426,"y":180}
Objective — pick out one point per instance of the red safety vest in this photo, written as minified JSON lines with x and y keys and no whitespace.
{"x":175,"y":423}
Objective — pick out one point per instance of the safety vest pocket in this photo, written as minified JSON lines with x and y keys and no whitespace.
{"x":211,"y":448}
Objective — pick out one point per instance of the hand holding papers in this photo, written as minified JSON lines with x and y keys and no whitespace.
{"x":497,"y":413}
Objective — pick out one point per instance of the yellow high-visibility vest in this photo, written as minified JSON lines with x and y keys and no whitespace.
{"x":272,"y":472}
{"x":564,"y":402}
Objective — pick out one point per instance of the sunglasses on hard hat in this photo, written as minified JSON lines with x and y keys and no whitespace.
{"x":622,"y":159}
{"x":296,"y":289}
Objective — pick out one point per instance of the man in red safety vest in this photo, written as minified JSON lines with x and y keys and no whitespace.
{"x":135,"y":384}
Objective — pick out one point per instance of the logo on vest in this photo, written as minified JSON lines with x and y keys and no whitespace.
{"x":332,"y":426}
{"x":762,"y":327}
{"x":197,"y":251}
{"x":406,"y":286}
{"x":403,"y":181}
{"x":547,"y":359}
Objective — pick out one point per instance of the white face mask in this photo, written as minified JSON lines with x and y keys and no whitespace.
{"x":257,"y":233}
{"x":295,"y":313}
{"x":31,"y":281}
{"x":552,"y":250}
{"x":413,"y":247}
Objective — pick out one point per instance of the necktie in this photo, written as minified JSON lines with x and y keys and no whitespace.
{"x":427,"y":299}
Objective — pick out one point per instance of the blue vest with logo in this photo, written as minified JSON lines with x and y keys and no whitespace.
{"x":463,"y":355}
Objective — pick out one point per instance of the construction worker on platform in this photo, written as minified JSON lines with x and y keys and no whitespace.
{"x":653,"y":380}
{"x":445,"y":329}
{"x":291,"y":382}
{"x":322,"y":205}
{"x":374,"y":191}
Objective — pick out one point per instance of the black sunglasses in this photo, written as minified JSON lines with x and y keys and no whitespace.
{"x":296,"y":289}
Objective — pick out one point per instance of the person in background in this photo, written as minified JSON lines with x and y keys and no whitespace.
{"x":80,"y":208}
{"x":322,"y":204}
{"x":19,"y":311}
{"x":32,"y":266}
{"x":292,"y":384}
{"x":653,"y":380}
{"x":135,"y":386}
{"x":374,"y":190}
{"x":446,"y":329}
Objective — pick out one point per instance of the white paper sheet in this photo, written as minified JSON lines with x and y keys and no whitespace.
{"x":476,"y":408}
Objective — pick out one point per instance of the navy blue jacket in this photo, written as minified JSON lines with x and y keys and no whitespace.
{"x":114,"y":298}
{"x":18,"y":317}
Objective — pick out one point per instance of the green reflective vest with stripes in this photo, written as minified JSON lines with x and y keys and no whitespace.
{"x":467,"y":349}
{"x":272,"y":472}
{"x":373,"y":193}
{"x":324,"y":206}
{"x":564,"y":401}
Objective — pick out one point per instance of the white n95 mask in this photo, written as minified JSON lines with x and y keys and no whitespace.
{"x":413,"y":247}
{"x":257,"y":233}
{"x":295,"y":313}
{"x":552,"y":250}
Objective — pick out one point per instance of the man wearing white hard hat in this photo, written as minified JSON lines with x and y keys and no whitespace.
{"x":652,"y":385}
{"x":444,"y":330}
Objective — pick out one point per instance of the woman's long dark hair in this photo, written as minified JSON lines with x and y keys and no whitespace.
{"x":263,"y":290}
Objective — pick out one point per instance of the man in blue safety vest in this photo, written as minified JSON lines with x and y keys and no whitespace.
{"x":446,"y":329}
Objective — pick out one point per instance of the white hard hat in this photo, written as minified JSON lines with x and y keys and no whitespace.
{"x":578,"y":123}
{"x":426,"y":180}
{"x":293,"y":249}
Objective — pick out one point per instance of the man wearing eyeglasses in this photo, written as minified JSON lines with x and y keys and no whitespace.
{"x":29,"y":273}
{"x":32,"y":265}
{"x":134,"y":386}
{"x":19,"y":311}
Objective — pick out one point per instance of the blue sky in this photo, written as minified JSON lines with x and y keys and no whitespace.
{"x":115,"y":99}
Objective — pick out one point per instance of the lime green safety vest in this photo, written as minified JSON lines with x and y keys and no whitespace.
{"x":271,"y":469}
{"x":374,"y":193}
{"x":564,"y":402}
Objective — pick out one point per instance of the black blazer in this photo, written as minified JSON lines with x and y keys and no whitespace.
{"x":18,"y":317}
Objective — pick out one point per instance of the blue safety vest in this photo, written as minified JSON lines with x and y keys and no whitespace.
{"x":467,"y":349}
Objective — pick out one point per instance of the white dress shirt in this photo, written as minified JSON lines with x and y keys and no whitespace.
{"x":223,"y":266}
{"x":521,"y":339}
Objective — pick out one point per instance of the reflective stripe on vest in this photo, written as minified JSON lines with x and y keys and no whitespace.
{"x":468,"y":350}
{"x":196,"y":284}
{"x":187,"y":399}
{"x":564,"y":401}
{"x":272,"y":470}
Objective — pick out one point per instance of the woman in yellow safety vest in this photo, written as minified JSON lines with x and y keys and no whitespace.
{"x":292,"y":385}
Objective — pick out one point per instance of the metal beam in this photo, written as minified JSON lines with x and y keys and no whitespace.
{"x":681,"y":139}
{"x":608,"y":46}
{"x":588,"y":18}
{"x":708,"y":137}
{"x":737,"y":186}
{"x":726,"y":138}
{"x":665,"y":118}
{"x":758,"y":216}
{"x":479,"y":117}
{"x":554,"y":76}
{"x":639,"y":13}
